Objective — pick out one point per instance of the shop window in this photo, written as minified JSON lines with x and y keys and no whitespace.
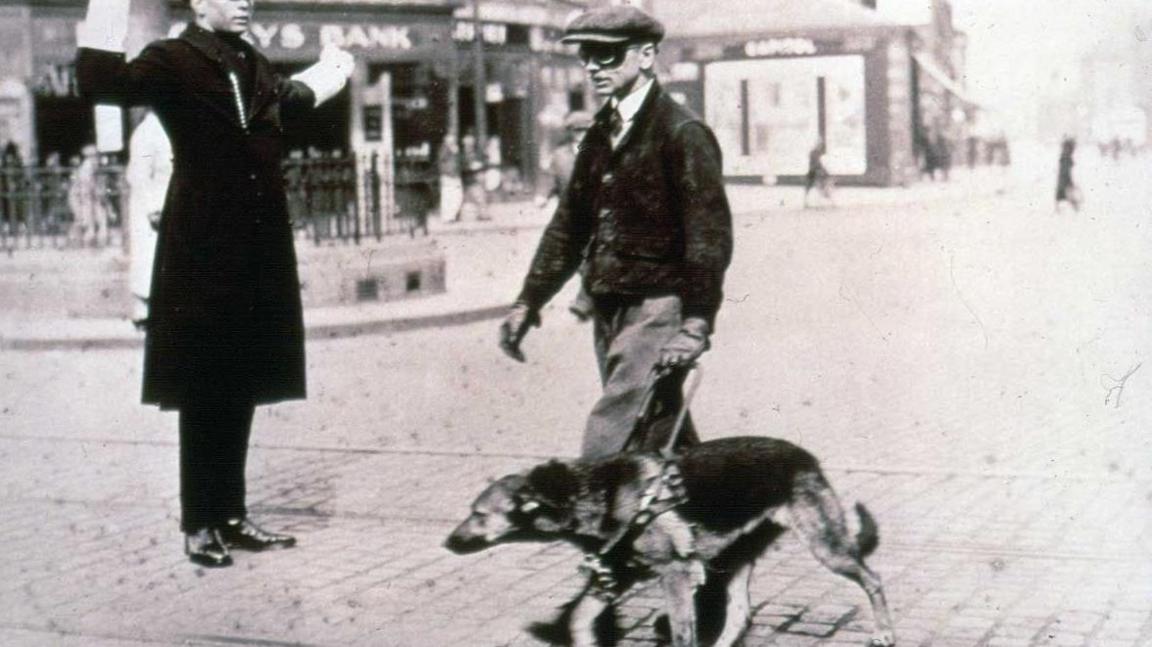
{"x":519,"y":35}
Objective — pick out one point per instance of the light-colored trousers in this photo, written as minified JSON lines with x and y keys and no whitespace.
{"x":451,"y":197}
{"x":628,"y":335}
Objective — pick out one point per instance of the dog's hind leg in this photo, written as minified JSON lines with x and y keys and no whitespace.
{"x":817,"y":516}
{"x":739,"y":605}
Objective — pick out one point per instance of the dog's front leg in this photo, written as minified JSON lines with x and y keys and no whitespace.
{"x":582,"y":624}
{"x":680,"y":581}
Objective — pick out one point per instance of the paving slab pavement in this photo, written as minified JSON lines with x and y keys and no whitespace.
{"x":486,"y":261}
{"x":963,"y":402}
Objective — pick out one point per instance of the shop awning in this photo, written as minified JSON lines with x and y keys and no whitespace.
{"x":712,"y":18}
{"x":931,"y":69}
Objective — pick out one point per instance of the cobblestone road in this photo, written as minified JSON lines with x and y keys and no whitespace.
{"x":958,"y":365}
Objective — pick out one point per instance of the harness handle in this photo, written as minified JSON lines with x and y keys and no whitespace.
{"x":695,"y":374}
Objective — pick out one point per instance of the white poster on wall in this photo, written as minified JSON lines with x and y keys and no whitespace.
{"x":781,"y":123}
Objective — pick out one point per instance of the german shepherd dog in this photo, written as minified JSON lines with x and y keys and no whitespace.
{"x":731,"y":499}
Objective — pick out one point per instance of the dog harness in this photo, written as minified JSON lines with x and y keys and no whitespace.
{"x":664,"y":492}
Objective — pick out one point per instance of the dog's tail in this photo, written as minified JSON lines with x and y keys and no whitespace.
{"x":867,"y":534}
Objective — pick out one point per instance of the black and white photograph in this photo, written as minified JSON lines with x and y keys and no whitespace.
{"x":634,"y":323}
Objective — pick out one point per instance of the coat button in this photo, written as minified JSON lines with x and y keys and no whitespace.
{"x":252,"y":176}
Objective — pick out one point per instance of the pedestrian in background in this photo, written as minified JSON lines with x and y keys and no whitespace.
{"x":451,"y":184}
{"x":929,"y":159}
{"x":942,"y":147}
{"x":88,"y":200}
{"x":561,"y":162}
{"x":817,"y":177}
{"x":225,"y":330}
{"x":148,"y":171}
{"x":1066,"y":189}
{"x":645,"y":213}
{"x":11,"y":181}
{"x":472,"y":172}
{"x":493,"y":165}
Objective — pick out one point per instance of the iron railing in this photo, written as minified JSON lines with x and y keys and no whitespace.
{"x":49,"y":207}
{"x":330,"y":200}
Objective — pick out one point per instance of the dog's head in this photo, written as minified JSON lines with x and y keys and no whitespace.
{"x":536,"y":506}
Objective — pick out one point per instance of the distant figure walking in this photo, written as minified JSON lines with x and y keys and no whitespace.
{"x":561,"y":164}
{"x":818,"y":176}
{"x":11,"y":180}
{"x":1066,"y":189}
{"x":451,"y":184}
{"x":87,"y":199}
{"x":942,"y":149}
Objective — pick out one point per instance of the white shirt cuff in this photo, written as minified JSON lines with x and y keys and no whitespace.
{"x":105,"y":27}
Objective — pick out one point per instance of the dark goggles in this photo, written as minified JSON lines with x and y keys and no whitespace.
{"x":604,"y":55}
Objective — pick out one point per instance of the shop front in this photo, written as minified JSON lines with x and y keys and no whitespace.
{"x":771,"y":97}
{"x":395,"y":109}
{"x":531,"y":82}
{"x":774,"y":82}
{"x":405,"y":43}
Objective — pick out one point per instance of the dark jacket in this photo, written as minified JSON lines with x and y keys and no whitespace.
{"x":651,"y":216}
{"x":225,"y":310}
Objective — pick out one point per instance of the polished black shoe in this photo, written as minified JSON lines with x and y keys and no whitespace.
{"x":206,"y":548}
{"x":242,"y":534}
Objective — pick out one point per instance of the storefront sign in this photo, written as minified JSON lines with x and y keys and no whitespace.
{"x":291,"y":35}
{"x":493,"y":33}
{"x":780,"y":47}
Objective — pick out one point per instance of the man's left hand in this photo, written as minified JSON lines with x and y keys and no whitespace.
{"x":688,"y":344}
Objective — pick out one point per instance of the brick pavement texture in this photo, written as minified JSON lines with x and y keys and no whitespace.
{"x":949,"y":363}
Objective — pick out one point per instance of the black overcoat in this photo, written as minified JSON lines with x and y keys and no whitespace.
{"x":649,"y":217}
{"x":225,"y":313}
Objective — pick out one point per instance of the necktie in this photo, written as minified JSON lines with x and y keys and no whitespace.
{"x":615,"y":124}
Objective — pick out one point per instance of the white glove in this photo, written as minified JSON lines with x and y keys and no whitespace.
{"x":105,"y":27}
{"x":328,"y":75}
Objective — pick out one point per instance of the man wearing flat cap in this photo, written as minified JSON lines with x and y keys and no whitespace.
{"x":646,"y":215}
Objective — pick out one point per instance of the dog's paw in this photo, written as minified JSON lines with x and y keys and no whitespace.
{"x":884,"y":640}
{"x":552,"y":633}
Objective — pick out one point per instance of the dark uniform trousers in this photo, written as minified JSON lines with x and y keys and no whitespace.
{"x":214,"y":435}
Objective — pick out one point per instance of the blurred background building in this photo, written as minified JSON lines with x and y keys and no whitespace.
{"x":774,"y":76}
{"x":415,"y":79}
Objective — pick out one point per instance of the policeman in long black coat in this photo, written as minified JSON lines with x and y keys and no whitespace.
{"x":225,"y":331}
{"x":646,"y":215}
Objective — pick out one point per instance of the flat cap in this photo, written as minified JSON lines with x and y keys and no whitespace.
{"x":614,"y":24}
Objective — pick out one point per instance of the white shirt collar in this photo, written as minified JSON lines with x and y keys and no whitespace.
{"x":630,"y":105}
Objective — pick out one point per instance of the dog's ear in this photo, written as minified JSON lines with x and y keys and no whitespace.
{"x":553,"y":484}
{"x":547,"y":495}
